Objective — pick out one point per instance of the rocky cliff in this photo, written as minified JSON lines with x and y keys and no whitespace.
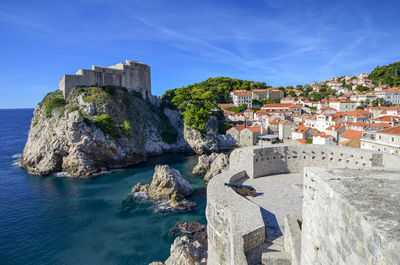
{"x":98,"y":129}
{"x":103,"y":128}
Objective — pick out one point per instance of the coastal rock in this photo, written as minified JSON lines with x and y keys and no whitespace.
{"x":168,"y":189}
{"x":219,"y":165}
{"x":204,"y":163}
{"x":168,"y":183}
{"x":186,"y":252}
{"x":211,"y":165}
{"x":96,"y":130}
{"x":200,"y":144}
{"x":196,"y":230}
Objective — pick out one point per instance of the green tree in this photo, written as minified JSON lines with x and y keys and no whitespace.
{"x":388,"y":74}
{"x":197,"y":102}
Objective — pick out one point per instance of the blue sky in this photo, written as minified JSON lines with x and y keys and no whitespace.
{"x":277,"y":42}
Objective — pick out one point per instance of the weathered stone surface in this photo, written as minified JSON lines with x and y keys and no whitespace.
{"x":351,"y":216}
{"x":350,"y":208}
{"x":204,"y":163}
{"x":168,"y":183}
{"x":211,"y":165}
{"x":185,"y":252}
{"x":200,"y":144}
{"x":168,"y":188}
{"x":66,"y":137}
{"x":219,"y":165}
{"x":196,"y":229}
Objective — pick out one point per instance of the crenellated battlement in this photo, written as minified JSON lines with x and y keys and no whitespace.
{"x":132,"y":75}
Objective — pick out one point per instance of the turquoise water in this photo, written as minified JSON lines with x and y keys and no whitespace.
{"x":59,"y":220}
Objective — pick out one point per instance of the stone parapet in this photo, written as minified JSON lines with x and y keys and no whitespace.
{"x":234,"y":224}
{"x":278,"y":159}
{"x":292,"y":238}
{"x":351,"y":216}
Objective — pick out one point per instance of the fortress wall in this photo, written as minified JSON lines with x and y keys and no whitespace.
{"x":277,"y":159}
{"x":334,"y":232}
{"x":351,"y":216}
{"x":133,"y":76}
{"x":234,"y":224}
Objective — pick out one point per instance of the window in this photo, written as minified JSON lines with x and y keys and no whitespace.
{"x":392,"y":139}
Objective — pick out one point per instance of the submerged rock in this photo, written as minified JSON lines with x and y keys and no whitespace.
{"x":186,"y":252}
{"x":168,"y":189}
{"x":211,"y":165}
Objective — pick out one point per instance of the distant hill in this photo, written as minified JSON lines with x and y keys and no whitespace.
{"x":386,"y":75}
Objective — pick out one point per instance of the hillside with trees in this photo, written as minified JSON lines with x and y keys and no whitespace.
{"x":198,"y":102}
{"x":386,"y":75}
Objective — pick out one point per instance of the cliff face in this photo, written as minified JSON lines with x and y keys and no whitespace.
{"x":98,"y":129}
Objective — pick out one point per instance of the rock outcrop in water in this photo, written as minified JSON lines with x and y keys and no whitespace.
{"x":211,"y":165}
{"x":185,"y":251}
{"x":100,"y":129}
{"x":168,"y":189}
{"x":195,"y":230}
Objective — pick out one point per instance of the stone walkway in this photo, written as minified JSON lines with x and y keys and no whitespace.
{"x":278,"y":195}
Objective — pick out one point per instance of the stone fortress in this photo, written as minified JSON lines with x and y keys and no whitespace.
{"x":315,"y":204}
{"x":132,"y":75}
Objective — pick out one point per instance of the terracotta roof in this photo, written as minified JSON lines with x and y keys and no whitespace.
{"x":359,"y":124}
{"x":275,"y":121}
{"x":259,"y":90}
{"x":352,"y":134}
{"x":243,"y":94}
{"x":393,"y":130}
{"x":254,"y":129}
{"x":239,"y":128}
{"x":261,"y":111}
{"x":302,"y":128}
{"x":387,"y":118}
{"x":227,"y":105}
{"x":238,"y":91}
{"x":323,"y":135}
{"x":302,"y":141}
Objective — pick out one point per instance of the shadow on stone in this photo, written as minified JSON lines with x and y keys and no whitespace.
{"x":272,"y":229}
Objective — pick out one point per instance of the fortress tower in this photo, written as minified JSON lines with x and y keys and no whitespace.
{"x":132,"y":75}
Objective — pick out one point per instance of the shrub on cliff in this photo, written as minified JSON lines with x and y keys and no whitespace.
{"x":106,"y":124}
{"x":52,"y":101}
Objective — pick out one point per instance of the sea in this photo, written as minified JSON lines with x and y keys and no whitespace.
{"x":63,"y":220}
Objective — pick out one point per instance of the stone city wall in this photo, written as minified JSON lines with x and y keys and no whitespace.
{"x":134,"y":76}
{"x":277,"y":159}
{"x":351,"y":216}
{"x":235,"y":224}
